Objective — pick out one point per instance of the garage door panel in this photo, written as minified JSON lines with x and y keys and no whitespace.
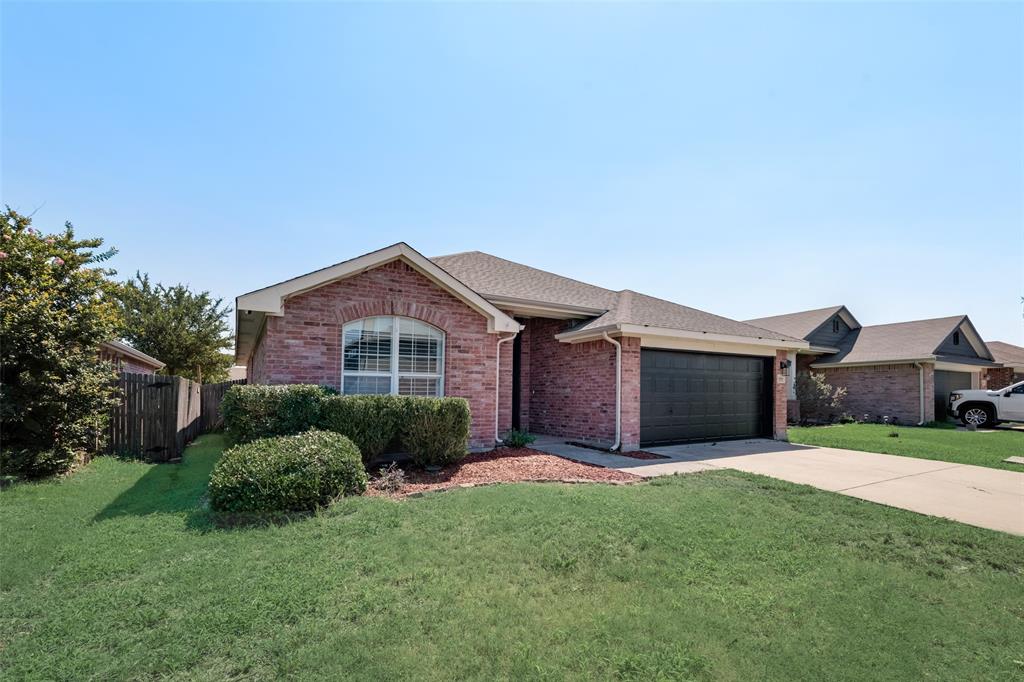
{"x":701,"y":396}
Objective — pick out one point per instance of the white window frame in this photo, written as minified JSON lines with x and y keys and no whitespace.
{"x":395,"y":374}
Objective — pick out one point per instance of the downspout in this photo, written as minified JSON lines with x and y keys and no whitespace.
{"x":920,"y":391}
{"x":497,"y":385}
{"x":618,"y":389}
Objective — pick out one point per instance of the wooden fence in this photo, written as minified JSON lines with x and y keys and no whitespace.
{"x":159,"y":415}
{"x":210,"y":397}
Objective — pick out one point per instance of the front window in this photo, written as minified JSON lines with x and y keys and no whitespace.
{"x":396,"y":355}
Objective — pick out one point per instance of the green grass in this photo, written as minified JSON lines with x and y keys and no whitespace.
{"x":117,"y":572}
{"x":983,"y":448}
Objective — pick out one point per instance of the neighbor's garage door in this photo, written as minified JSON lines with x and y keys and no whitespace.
{"x":702,"y":396}
{"x":946,"y":383}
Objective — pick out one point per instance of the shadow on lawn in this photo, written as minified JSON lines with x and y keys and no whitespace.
{"x":169,"y":489}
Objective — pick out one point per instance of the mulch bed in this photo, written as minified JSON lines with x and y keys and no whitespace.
{"x":506,"y":465}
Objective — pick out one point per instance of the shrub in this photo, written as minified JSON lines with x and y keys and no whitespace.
{"x":435,"y":430}
{"x":518,"y":439}
{"x":287,"y":473}
{"x":256,"y":411}
{"x":389,"y":480}
{"x":55,"y":311}
{"x":371,"y":421}
{"x":819,"y":400}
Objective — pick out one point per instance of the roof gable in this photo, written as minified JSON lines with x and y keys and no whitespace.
{"x":918,"y":340}
{"x":805,"y":323}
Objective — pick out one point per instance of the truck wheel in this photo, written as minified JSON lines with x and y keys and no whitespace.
{"x":978,"y":415}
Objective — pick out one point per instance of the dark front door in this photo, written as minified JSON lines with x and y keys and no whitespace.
{"x":946,"y":383}
{"x":703,"y":396}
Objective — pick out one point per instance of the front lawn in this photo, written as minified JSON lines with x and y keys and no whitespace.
{"x":983,"y":448}
{"x":118,"y":573}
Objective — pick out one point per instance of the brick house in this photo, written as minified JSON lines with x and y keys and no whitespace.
{"x":1011,"y":358}
{"x":904,"y":370}
{"x":527,"y":348}
{"x":127,"y":360}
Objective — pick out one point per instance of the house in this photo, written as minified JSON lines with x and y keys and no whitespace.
{"x":528,"y":349}
{"x":127,"y":360}
{"x":904,"y":370}
{"x":1011,"y":358}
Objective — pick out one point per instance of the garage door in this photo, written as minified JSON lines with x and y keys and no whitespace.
{"x":702,"y":396}
{"x":946,"y":383}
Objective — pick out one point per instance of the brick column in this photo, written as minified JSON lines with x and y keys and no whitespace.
{"x":630,"y":434}
{"x":780,"y":394}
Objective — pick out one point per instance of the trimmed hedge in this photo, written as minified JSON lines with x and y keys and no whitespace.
{"x":256,"y":411}
{"x":287,"y":473}
{"x":434,"y":431}
{"x":371,"y":421}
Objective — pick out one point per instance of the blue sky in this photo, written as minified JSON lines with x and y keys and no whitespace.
{"x":743,"y":159}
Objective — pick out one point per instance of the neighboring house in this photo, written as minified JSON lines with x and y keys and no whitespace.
{"x":236,"y":373}
{"x":127,"y":360}
{"x":1011,"y":358}
{"x":904,"y":370}
{"x":528,"y":349}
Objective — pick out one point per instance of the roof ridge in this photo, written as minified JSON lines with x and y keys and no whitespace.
{"x":928,"y":319}
{"x":531,"y":267}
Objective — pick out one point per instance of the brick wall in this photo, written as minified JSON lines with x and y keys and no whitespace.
{"x":997,"y":377}
{"x":881,"y":390}
{"x":780,"y":395}
{"x":304,"y":345}
{"x":572,"y":386}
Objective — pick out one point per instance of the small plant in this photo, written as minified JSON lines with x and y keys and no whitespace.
{"x":819,"y":400}
{"x":518,"y":439}
{"x":390,"y":479}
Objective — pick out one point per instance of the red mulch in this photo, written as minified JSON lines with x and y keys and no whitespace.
{"x":507,"y":465}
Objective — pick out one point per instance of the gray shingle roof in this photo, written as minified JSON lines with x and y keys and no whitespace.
{"x":495,"y":277}
{"x":799,"y":324}
{"x":491,"y":276}
{"x":1006,"y":353}
{"x":898,"y":342}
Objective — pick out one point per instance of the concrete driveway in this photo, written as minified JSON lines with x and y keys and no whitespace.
{"x":990,"y":498}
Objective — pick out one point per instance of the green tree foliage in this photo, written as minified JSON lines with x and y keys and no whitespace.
{"x":819,"y":400}
{"x":185,"y":330}
{"x":55,"y":310}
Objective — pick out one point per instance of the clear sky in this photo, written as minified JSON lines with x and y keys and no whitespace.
{"x":743,"y":159}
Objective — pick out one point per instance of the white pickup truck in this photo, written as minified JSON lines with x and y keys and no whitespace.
{"x":985,"y":408}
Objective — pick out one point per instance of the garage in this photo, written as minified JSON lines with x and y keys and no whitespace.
{"x":945,"y":383}
{"x":686,"y":396}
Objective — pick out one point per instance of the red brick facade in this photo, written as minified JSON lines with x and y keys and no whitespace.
{"x":780,"y":398}
{"x":885,"y":390}
{"x":997,"y":377}
{"x":125,"y":364}
{"x":304,"y":345}
{"x":571,"y":386}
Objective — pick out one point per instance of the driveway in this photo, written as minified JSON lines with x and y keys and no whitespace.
{"x":990,"y":498}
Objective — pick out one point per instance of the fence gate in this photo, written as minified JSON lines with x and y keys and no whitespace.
{"x":157,"y":417}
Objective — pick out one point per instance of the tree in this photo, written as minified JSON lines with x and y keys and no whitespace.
{"x":55,"y":310}
{"x":819,"y":400}
{"x":185,"y":330}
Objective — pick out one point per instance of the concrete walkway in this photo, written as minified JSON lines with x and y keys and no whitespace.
{"x":979,"y":496}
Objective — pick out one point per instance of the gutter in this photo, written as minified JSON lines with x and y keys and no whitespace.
{"x":618,"y":389}
{"x":497,"y":384}
{"x":581,"y":335}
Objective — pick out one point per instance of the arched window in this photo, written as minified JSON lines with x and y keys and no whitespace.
{"x":397,"y":355}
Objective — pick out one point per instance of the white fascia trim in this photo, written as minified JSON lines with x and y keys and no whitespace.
{"x":524,"y":306}
{"x":270,"y":300}
{"x":961,"y":367}
{"x":135,"y":354}
{"x":822,"y":350}
{"x":873,"y":363}
{"x":643,"y":330}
